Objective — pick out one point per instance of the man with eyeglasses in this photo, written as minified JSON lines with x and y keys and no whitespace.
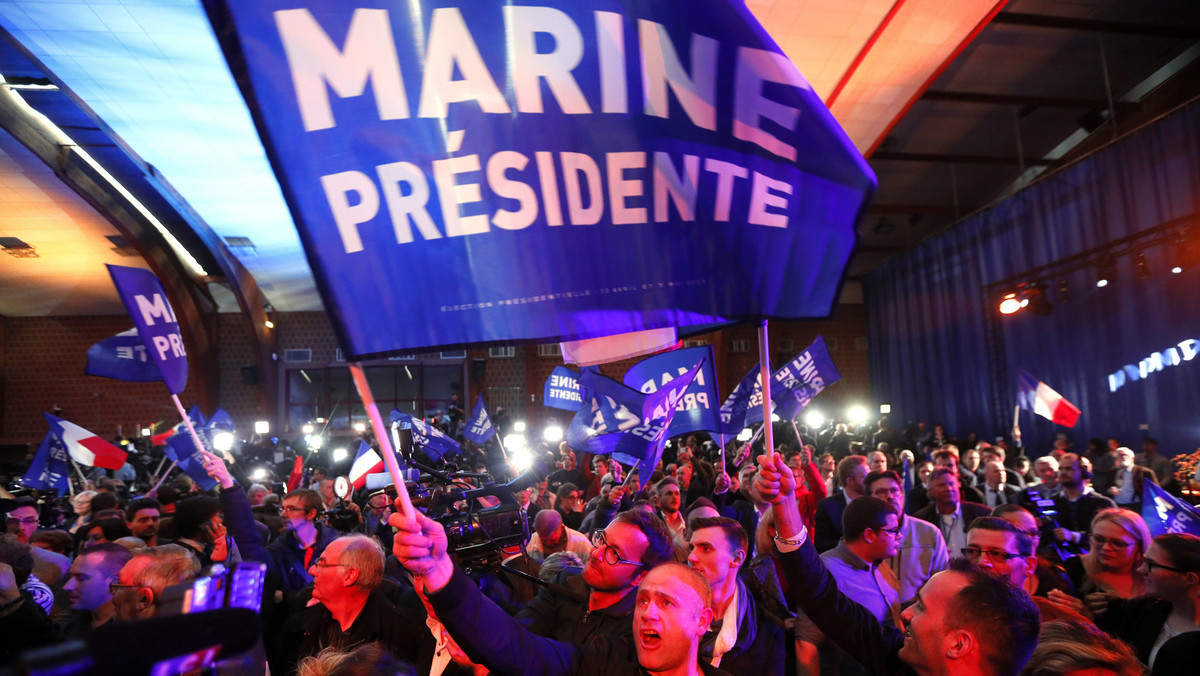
{"x":1004,"y":550}
{"x":21,"y":521}
{"x":349,"y":611}
{"x":303,"y":541}
{"x":922,"y":549}
{"x":137,"y":593}
{"x":632,"y":545}
{"x":870,"y":535}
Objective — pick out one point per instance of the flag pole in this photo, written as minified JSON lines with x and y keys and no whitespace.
{"x":765,"y":376}
{"x":381,"y":435}
{"x":160,"y":464}
{"x":163,"y":476}
{"x":82,"y":479}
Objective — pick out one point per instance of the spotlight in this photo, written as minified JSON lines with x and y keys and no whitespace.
{"x":314,"y":441}
{"x":339,"y":454}
{"x":519,"y":458}
{"x":262,"y":427}
{"x":259,"y":474}
{"x":885,"y":408}
{"x":552,"y":434}
{"x":1064,"y":291}
{"x":360,"y":427}
{"x":814,"y":419}
{"x":857,"y":415}
{"x":145,"y":431}
{"x":1010,"y":305}
{"x":222,"y":441}
{"x":1106,"y":272}
{"x":519,"y":426}
{"x":1184,"y":251}
{"x":306,"y":428}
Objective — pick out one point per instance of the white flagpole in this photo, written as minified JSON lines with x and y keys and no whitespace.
{"x":765,"y":376}
{"x":381,"y":435}
{"x":82,"y":479}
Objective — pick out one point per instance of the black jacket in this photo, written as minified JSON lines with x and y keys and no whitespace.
{"x":853,"y":628}
{"x":970,"y":512}
{"x":307,"y":633}
{"x":556,"y":616}
{"x":1137,"y":622}
{"x":827,"y":525}
{"x":761,"y":646}
{"x":286,"y":570}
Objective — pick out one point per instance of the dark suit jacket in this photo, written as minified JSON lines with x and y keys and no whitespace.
{"x":828,"y":522}
{"x":1011,"y":493}
{"x":970,"y":512}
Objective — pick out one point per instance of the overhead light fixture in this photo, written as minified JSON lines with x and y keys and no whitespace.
{"x":1139,"y":262}
{"x":1184,"y":251}
{"x":1106,"y":272}
{"x":1028,"y":296}
{"x":1064,"y":290}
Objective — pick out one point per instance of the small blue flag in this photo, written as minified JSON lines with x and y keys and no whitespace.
{"x":50,"y":468}
{"x":630,"y":425}
{"x":182,"y":449}
{"x":146,"y":301}
{"x":479,"y":429}
{"x":122,"y":357}
{"x":735,"y":412}
{"x":562,"y":390}
{"x":1165,"y":513}
{"x":795,"y":384}
{"x":435,"y":444}
{"x":698,"y":407}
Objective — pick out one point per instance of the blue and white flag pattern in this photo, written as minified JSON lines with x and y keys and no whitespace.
{"x":697,"y":410}
{"x":435,"y":444}
{"x":1165,"y":513}
{"x":122,"y":357}
{"x":50,"y":468}
{"x":479,"y":428}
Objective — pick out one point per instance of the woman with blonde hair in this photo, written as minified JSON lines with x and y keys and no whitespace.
{"x":1111,"y":569}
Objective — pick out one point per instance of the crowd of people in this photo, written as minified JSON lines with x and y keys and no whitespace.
{"x":877,"y":552}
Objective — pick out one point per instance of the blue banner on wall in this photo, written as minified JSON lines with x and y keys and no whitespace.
{"x":146,"y":301}
{"x":697,"y":408}
{"x":662,"y":164}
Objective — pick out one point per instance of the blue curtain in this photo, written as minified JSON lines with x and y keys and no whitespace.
{"x":941,"y":353}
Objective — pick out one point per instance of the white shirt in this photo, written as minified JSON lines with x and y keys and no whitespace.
{"x":952,"y":529}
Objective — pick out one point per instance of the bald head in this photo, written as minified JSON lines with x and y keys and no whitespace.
{"x":547,"y":523}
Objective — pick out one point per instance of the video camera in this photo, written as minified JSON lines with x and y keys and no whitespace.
{"x":1043,"y":508}
{"x":479,"y":535}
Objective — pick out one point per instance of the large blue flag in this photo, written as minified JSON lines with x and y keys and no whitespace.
{"x":795,"y":384}
{"x":698,"y":407}
{"x":435,"y":444}
{"x":182,"y":450}
{"x":663,"y":163}
{"x":562,"y":389}
{"x":479,"y":428}
{"x":630,"y":425}
{"x":1165,"y":513}
{"x":50,"y":468}
{"x":146,"y":301}
{"x":122,"y":357}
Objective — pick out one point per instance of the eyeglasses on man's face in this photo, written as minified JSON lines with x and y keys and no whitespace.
{"x":994,"y":555}
{"x":610,"y":554}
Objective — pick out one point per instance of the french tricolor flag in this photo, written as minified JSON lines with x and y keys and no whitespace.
{"x":1036,"y":396}
{"x":368,"y":461}
{"x":86,"y":448}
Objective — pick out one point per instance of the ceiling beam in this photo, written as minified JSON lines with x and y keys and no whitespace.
{"x":905,"y":209}
{"x":1097,"y":26}
{"x":938,"y":158}
{"x":1022,"y":100}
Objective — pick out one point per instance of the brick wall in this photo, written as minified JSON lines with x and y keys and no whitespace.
{"x":44,"y":358}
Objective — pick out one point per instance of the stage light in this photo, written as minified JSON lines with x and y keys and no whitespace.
{"x":519,"y":458}
{"x":1064,"y":291}
{"x":1184,"y":252}
{"x":222,"y":441}
{"x":1106,"y":272}
{"x":262,"y":427}
{"x":814,"y":419}
{"x":360,"y":427}
{"x":1010,"y":305}
{"x":259,"y":474}
{"x":519,"y":426}
{"x":1139,"y":262}
{"x":307,"y":428}
{"x":857,"y":415}
{"x":339,"y":454}
{"x":145,"y":431}
{"x":552,"y":434}
{"x":314,"y":441}
{"x":885,"y":408}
